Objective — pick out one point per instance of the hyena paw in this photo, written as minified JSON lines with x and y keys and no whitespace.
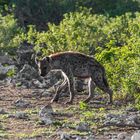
{"x":109,"y":103}
{"x":54,"y":100}
{"x":69,"y":102}
{"x":86,"y":101}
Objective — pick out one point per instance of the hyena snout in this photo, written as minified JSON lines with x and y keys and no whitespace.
{"x":43,"y":74}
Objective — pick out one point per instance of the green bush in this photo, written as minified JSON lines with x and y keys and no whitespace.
{"x":8,"y":32}
{"x":77,"y":32}
{"x":115,"y":42}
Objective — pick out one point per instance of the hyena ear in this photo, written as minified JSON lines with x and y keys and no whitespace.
{"x":37,"y":57}
{"x":36,"y":60}
{"x":46,"y":60}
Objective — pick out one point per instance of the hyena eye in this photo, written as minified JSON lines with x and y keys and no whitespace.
{"x":44,"y":68}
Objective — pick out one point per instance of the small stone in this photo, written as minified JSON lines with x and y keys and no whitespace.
{"x":11,"y":116}
{"x":131,"y":120}
{"x":47,"y":120}
{"x":46,"y":110}
{"x":137,"y":119}
{"x":37,"y":83}
{"x":5,"y":70}
{"x":117,"y":103}
{"x":46,"y":115}
{"x":27,"y":72}
{"x":82,"y":127}
{"x":64,"y":136}
{"x":36,"y":93}
{"x":2,"y":111}
{"x":21,"y":115}
{"x":6,"y":59}
{"x":122,"y":136}
{"x":21,"y":103}
{"x":131,"y":109}
{"x":114,"y":119}
{"x":78,"y":138}
{"x":47,"y":93}
{"x":91,"y":137}
{"x":135,"y":136}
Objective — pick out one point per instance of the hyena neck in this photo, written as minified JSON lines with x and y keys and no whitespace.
{"x":55,"y":63}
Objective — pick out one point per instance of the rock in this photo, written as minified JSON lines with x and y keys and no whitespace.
{"x":28,"y":72}
{"x":82,"y":127}
{"x":46,"y":115}
{"x":36,"y":138}
{"x":11,"y":116}
{"x":5,"y":70}
{"x":78,"y":138}
{"x":91,"y":137}
{"x":25,"y":55}
{"x":37,"y":92}
{"x":137,"y":119}
{"x":118,"y":103}
{"x":123,"y":136}
{"x":36,"y":83}
{"x":65,"y":136}
{"x":115,"y":119}
{"x":21,"y":103}
{"x":122,"y":119}
{"x":131,"y":109}
{"x":2,"y":111}
{"x":54,"y":76}
{"x":133,"y":119}
{"x":135,"y":136}
{"x":47,"y":119}
{"x":48,"y":93}
{"x":28,"y":77}
{"x":21,"y":115}
{"x":6,"y":59}
{"x":46,"y":110}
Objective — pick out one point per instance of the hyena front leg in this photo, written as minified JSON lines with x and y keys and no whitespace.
{"x":91,"y":87}
{"x":59,"y":89}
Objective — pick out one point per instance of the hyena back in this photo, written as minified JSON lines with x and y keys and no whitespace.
{"x":74,"y":64}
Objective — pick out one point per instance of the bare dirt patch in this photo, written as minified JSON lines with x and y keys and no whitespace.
{"x":68,"y":116}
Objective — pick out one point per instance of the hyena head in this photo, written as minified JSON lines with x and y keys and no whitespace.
{"x":44,"y":66}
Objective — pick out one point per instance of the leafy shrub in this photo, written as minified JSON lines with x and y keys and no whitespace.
{"x":77,"y":32}
{"x":8,"y":32}
{"x":113,"y":41}
{"x":121,"y":55}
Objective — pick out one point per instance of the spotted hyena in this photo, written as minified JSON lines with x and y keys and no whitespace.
{"x":74,"y":64}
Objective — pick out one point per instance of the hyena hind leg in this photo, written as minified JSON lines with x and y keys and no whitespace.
{"x":91,"y":87}
{"x":110,"y":92}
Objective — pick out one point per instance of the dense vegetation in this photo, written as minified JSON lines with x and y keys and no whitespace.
{"x":109,"y":31}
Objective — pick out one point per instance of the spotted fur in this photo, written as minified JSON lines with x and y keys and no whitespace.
{"x":75,"y":64}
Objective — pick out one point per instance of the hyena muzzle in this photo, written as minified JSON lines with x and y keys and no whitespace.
{"x":74,"y":64}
